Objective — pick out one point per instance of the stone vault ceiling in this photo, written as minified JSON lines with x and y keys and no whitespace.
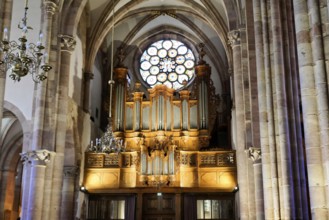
{"x":206,"y":21}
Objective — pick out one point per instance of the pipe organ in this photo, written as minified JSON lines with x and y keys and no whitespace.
{"x":164,"y":135}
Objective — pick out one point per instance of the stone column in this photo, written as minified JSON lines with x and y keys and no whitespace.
{"x":263,"y":120}
{"x":67,"y":46}
{"x":86,"y":92}
{"x":68,"y":196}
{"x":37,"y":161}
{"x":242,"y":161}
{"x":255,"y":154}
{"x":270,"y":114}
{"x":308,"y":73}
{"x":287,"y":208}
{"x":40,"y":91}
{"x":321,"y":85}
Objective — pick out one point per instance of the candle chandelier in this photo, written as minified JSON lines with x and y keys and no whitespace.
{"x":108,"y":143}
{"x":22,"y":58}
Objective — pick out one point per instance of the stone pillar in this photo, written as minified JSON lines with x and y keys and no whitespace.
{"x":269,"y":112}
{"x":286,"y":189}
{"x":321,"y":85}
{"x":48,"y":190}
{"x":255,"y":155}
{"x":86,"y":92}
{"x":310,"y":65}
{"x":37,"y":161}
{"x":263,"y":119}
{"x":67,"y":46}
{"x":40,"y":91}
{"x":68,"y":196}
{"x":242,"y":161}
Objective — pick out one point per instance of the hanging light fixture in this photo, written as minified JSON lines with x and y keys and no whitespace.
{"x":21,"y":58}
{"x":108,"y":143}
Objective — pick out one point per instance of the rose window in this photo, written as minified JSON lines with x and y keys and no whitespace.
{"x":167,"y":62}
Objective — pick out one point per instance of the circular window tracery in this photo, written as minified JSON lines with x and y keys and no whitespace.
{"x":168,"y":62}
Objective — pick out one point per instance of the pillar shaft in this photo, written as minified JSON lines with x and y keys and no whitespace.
{"x":36,"y":161}
{"x":307,"y":72}
{"x":86,"y":92}
{"x":41,"y":88}
{"x":67,"y":46}
{"x":264,"y":135}
{"x":287,"y":208}
{"x":321,"y":88}
{"x":68,"y":199}
{"x":242,"y":165}
{"x":255,"y":154}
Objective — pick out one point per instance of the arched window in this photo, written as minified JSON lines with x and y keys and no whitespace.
{"x":168,"y":62}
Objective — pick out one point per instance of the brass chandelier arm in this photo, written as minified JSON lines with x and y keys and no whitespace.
{"x":20,"y":59}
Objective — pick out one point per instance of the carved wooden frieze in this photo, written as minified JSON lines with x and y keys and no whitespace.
{"x":111,"y":160}
{"x":94,"y":160}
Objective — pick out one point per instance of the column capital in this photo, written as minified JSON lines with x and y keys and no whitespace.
{"x":234,"y":38}
{"x":71,"y":171}
{"x":255,"y":154}
{"x":50,"y":7}
{"x":36,"y":156}
{"x":67,"y":42}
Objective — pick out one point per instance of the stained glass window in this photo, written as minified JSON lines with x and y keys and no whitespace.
{"x":168,"y":62}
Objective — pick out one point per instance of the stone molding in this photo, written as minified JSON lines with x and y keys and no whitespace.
{"x":37,"y":156}
{"x":67,"y":43}
{"x":50,"y":7}
{"x":255,"y":154}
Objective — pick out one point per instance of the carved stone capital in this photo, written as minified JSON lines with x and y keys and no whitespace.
{"x":234,"y":38}
{"x":71,"y":171}
{"x":36,"y":157}
{"x":50,"y":7}
{"x":67,"y":43}
{"x":255,"y":154}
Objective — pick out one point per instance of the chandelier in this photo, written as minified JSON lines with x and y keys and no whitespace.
{"x":22,"y":58}
{"x":108,"y":143}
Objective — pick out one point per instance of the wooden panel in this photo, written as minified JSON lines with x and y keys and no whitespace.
{"x":159,"y":207}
